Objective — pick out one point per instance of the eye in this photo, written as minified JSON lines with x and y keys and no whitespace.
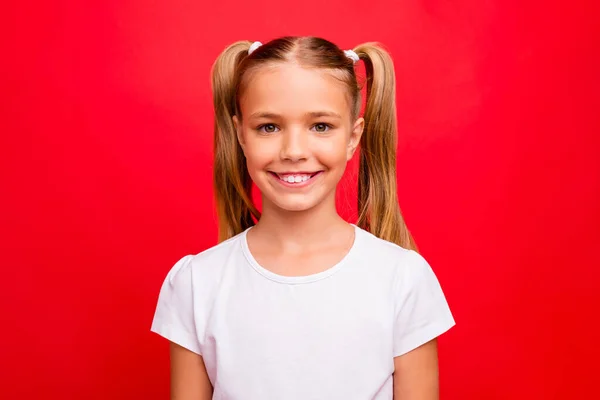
{"x":321,"y":127}
{"x":268,"y":128}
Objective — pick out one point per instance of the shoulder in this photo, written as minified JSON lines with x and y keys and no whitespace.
{"x":187,"y":294}
{"x":405,"y":269}
{"x":383,"y":253}
{"x":204,"y":265}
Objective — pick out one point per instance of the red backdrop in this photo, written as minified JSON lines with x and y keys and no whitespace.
{"x":106,"y":174}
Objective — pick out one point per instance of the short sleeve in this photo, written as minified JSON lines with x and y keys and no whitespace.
{"x":422,"y":312}
{"x":174,"y":316}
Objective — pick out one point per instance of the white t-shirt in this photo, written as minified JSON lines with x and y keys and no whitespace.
{"x":327,"y":336}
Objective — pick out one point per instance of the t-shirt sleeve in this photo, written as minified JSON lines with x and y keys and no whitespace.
{"x":174,"y":315}
{"x":422,"y":312}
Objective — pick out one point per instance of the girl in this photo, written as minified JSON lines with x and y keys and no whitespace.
{"x":295,"y":303}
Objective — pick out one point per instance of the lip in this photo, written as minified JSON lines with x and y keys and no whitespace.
{"x":296,"y":172}
{"x":295,"y":185}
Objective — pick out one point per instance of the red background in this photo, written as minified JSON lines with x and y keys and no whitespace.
{"x":106,"y":174}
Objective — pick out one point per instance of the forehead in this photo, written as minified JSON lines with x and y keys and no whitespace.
{"x":290,"y":90}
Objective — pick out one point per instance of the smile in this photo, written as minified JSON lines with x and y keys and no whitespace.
{"x":296,"y":179}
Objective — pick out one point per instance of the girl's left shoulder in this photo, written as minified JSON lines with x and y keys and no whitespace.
{"x":380,"y":249}
{"x":404,"y":266}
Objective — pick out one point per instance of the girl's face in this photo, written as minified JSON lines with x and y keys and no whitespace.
{"x":297,"y":134}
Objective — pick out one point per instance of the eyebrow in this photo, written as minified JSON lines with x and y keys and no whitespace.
{"x":313,"y":114}
{"x":317,"y":114}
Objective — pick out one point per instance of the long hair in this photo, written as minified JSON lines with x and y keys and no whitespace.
{"x":378,"y":209}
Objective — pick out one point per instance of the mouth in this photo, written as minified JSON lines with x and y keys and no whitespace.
{"x":296,"y":179}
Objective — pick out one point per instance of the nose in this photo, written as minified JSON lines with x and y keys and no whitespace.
{"x":294,"y":146}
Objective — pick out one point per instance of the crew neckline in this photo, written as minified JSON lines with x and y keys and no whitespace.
{"x":295,"y":280}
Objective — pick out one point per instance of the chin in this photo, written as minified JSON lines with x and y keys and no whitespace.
{"x":295,"y":205}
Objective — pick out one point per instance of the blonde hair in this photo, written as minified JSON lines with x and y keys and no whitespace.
{"x":378,"y":209}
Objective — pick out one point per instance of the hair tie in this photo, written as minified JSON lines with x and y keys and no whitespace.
{"x":253,"y":47}
{"x":352,"y":55}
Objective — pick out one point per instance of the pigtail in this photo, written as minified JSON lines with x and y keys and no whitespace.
{"x":231,"y":180}
{"x":378,"y":208}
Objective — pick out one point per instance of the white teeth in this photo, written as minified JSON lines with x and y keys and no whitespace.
{"x":294,"y":178}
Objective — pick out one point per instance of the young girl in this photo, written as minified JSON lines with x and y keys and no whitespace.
{"x":295,"y":303}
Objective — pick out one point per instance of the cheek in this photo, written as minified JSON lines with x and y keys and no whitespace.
{"x":333,"y":152}
{"x":258,"y":154}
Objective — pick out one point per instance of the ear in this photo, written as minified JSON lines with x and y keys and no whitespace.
{"x":237,"y":124}
{"x":355,"y":135}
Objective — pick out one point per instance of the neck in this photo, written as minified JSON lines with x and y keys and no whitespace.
{"x":300,"y":227}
